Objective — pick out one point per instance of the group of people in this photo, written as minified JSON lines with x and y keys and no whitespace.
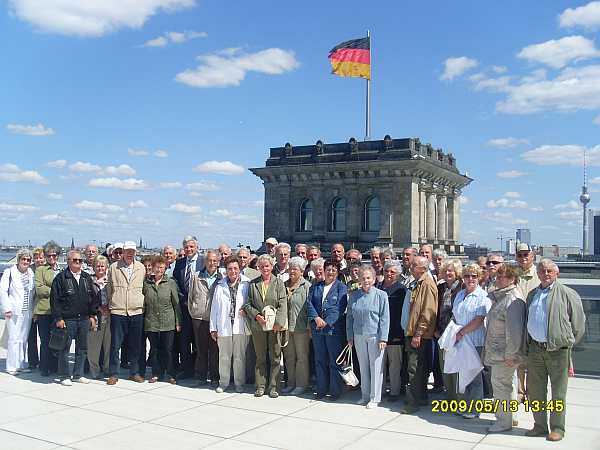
{"x":215,"y":314}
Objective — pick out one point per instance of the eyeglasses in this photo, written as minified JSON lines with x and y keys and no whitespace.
{"x":470,"y":275}
{"x":117,"y":252}
{"x":522,"y":255}
{"x":26,"y":259}
{"x":51,"y":255}
{"x":77,"y":260}
{"x":490,"y":263}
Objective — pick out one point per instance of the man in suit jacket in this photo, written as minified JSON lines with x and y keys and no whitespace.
{"x":184,"y":341}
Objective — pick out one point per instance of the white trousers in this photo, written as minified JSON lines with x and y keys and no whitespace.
{"x":232,"y":347}
{"x":370,"y":358}
{"x":17,"y":328}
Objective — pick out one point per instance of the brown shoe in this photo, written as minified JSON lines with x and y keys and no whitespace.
{"x":535,"y":431}
{"x":112,"y":381}
{"x":172,"y":381}
{"x":137,"y":378}
{"x":554,"y":436}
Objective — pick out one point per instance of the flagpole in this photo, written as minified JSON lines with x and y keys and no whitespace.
{"x":368,"y":108}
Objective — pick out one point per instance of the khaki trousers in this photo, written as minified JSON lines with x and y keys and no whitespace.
{"x":232,"y":347}
{"x":502,"y":385}
{"x":267,"y":342}
{"x":295,"y":356}
{"x":393,"y":355}
{"x":96,"y":341}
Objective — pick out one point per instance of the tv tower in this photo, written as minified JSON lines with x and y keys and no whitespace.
{"x":584,"y":198}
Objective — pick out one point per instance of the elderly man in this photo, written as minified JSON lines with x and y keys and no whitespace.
{"x":353,"y":256}
{"x":243,"y":256}
{"x":312,"y":254}
{"x":125,"y":281}
{"x":438,"y":258}
{"x":270,"y":245}
{"x":199,"y":301}
{"x":73,"y":308}
{"x":377,"y":263}
{"x":338,"y":254}
{"x":419,"y":312}
{"x":116,"y":254}
{"x":282,"y":258}
{"x":90,"y":252}
{"x":184,"y":268}
{"x":555,"y":323}
{"x":224,"y":252}
{"x":493,"y":263}
{"x":170,"y":253}
{"x":301,"y":250}
{"x":407,"y":256}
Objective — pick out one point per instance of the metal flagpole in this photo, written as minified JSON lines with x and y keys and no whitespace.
{"x":368,"y":109}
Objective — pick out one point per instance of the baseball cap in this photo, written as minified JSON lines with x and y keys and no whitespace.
{"x":271,"y":241}
{"x":129,"y":245}
{"x":117,"y":245}
{"x":523,"y":247}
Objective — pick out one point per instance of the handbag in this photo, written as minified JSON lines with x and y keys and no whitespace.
{"x":58,"y":338}
{"x":269,"y":314}
{"x":346,"y":368}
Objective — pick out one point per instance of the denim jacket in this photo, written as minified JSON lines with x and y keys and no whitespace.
{"x":334,"y":311}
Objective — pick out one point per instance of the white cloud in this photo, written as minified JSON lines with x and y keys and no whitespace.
{"x":84,"y":167}
{"x":57,"y":164}
{"x":219,"y":167}
{"x":230,"y":69}
{"x":455,"y":67}
{"x":127,"y":184}
{"x":587,"y":16}
{"x":569,"y":215}
{"x":54,"y":196}
{"x":30,"y":130}
{"x":161,"y":153}
{"x":245,"y":218}
{"x":13,"y":174}
{"x":463,"y":200}
{"x":174,"y":37}
{"x":520,"y":222}
{"x":482,"y":82}
{"x":558,"y":155}
{"x":121,"y":171}
{"x":499,"y":69}
{"x":571,"y":204}
{"x":510,"y":174}
{"x":596,"y":120}
{"x":12,"y":207}
{"x":508,"y":142}
{"x":512,"y":194}
{"x":206,"y":186}
{"x":221,"y":213}
{"x":91,"y":18}
{"x":183,"y":208}
{"x":505,"y":203}
{"x":595,"y":180}
{"x":170,"y":184}
{"x":97,"y":206}
{"x":559,"y":53}
{"x":138,"y":204}
{"x":134,"y":152}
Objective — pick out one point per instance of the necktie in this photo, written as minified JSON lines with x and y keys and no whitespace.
{"x":188,"y":273}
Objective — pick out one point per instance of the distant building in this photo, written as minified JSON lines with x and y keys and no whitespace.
{"x":524,"y":235}
{"x":392,"y":193}
{"x":510,"y":246}
{"x":555,"y":251}
{"x":593,"y":224}
{"x":473,"y":251}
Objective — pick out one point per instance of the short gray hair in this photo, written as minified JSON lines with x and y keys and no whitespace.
{"x":243,"y":249}
{"x":167,"y":247}
{"x":24,"y":253}
{"x":298,"y":262}
{"x":189,"y":238}
{"x":70,"y":253}
{"x":547,"y":262}
{"x":389,"y":252}
{"x":366,"y":268}
{"x":438,"y":252}
{"x":375,"y":250}
{"x":52,"y":247}
{"x":212,"y":251}
{"x":392,"y":264}
{"x":283,"y":245}
{"x":421,"y":261}
{"x":319,"y":262}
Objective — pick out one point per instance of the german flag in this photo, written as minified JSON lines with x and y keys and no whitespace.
{"x":352,"y":58}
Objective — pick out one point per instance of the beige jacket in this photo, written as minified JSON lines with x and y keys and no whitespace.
{"x":528,"y":281}
{"x":125,"y":297}
{"x":423,"y":308}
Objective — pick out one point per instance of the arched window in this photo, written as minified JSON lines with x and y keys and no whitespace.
{"x":305,"y":219}
{"x":337,"y":215}
{"x":371,"y":214}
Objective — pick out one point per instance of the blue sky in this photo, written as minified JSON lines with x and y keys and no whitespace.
{"x":122,"y":119}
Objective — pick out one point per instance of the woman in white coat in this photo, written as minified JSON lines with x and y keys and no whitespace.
{"x":228,"y":325}
{"x":16,"y":300}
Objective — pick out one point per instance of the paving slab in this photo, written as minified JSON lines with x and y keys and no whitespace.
{"x":17,"y":407}
{"x":13,"y":441}
{"x":384,"y":440}
{"x":284,"y":405}
{"x":77,"y":395}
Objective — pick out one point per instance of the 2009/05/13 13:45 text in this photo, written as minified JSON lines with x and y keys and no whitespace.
{"x":492,"y":406}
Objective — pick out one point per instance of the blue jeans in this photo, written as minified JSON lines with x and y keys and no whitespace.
{"x":132,"y":329}
{"x":327,"y":349}
{"x":78,"y":330}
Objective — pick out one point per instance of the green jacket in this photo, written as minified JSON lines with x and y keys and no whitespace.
{"x":161,"y":305}
{"x":276,"y":296}
{"x":44,"y":275}
{"x":566,"y":318}
{"x":297,"y":308}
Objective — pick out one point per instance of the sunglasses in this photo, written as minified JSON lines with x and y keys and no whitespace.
{"x":490,"y":263}
{"x":470,"y":276}
{"x":117,"y":252}
{"x":51,"y":255}
{"x":77,"y":260}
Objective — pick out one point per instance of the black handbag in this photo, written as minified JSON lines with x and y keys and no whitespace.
{"x":58,"y":338}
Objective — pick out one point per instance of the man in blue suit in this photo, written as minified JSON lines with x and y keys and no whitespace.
{"x":184,"y":268}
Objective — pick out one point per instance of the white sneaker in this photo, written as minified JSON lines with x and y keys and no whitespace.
{"x":66,"y":382}
{"x":372,"y":405}
{"x":287,"y":390}
{"x":12,"y":372}
{"x":219,"y":390}
{"x":298,"y":391}
{"x":470,"y":416}
{"x":362,"y":401}
{"x":82,"y":380}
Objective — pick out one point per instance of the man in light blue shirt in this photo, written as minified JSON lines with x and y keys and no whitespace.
{"x":537,"y":320}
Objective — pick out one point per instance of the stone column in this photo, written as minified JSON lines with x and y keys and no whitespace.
{"x":422,"y":214}
{"x":456,"y":217}
{"x":450,"y":214}
{"x":441,"y":218}
{"x":431,"y":216}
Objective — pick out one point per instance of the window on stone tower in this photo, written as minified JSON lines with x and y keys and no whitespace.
{"x":337,"y":215}
{"x":371,"y":214}
{"x":306,"y":215}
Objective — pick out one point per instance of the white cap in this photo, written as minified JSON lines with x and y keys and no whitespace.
{"x":129,"y":245}
{"x":117,"y":245}
{"x":271,"y":241}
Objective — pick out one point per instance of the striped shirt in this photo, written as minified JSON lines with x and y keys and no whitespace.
{"x":26,"y":290}
{"x":467,"y":307}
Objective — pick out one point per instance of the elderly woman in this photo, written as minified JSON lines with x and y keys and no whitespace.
{"x":162,"y":317}
{"x":470,"y":307}
{"x":44,"y":276}
{"x":99,"y":338}
{"x":317,"y":270}
{"x":505,"y":340}
{"x":367,"y":327}
{"x":33,"y":357}
{"x":354,"y":283}
{"x":296,"y":353}
{"x":267,"y":311}
{"x":327,"y":302}
{"x":16,"y":300}
{"x":451,"y":272}
{"x":396,"y":292}
{"x":228,"y":325}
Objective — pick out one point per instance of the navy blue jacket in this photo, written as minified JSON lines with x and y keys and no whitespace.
{"x":334,"y":312}
{"x":179,"y":276}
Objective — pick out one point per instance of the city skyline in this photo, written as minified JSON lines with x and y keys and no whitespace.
{"x":120,"y":122}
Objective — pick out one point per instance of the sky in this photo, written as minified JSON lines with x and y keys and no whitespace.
{"x":122,"y":119}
